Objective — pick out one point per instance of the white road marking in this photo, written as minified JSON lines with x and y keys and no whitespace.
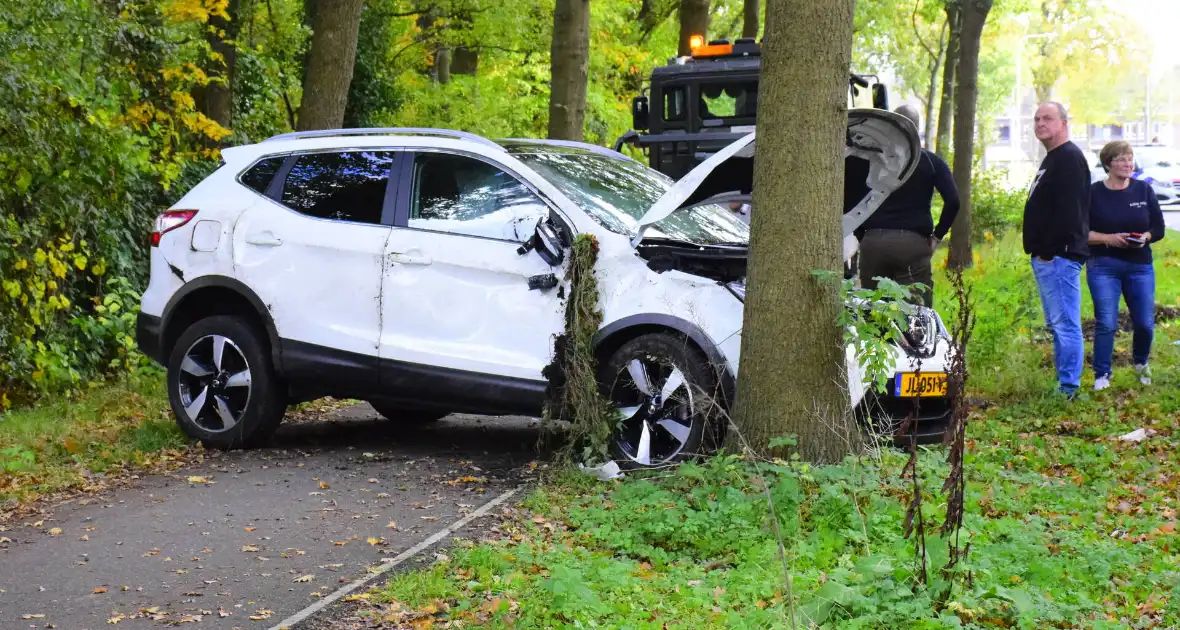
{"x":302,"y":615}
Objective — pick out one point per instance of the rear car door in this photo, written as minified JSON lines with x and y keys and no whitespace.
{"x":311,"y":248}
{"x":460,"y":318}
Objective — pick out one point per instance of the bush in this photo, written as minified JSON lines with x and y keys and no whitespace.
{"x":995,"y":209}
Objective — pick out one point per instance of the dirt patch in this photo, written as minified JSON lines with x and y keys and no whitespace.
{"x":1162,"y":314}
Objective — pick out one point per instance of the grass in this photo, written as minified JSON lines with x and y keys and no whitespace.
{"x":1067,"y":527}
{"x":73,"y":445}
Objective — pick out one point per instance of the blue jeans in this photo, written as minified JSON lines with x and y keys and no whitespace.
{"x":1059,"y":281}
{"x":1108,"y":279}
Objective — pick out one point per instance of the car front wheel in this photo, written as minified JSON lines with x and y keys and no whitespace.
{"x":222,"y":385}
{"x":665,"y":393}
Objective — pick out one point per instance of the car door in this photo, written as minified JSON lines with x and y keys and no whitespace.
{"x":312,"y":250}
{"x":460,"y":318}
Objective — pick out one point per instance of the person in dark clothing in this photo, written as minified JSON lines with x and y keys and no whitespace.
{"x":1125,"y":218}
{"x":1056,"y":236}
{"x":898,"y":240}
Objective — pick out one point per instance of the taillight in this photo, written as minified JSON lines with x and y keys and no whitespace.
{"x":170,"y":220}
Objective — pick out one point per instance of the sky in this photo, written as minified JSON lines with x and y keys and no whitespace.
{"x":1161,"y":20}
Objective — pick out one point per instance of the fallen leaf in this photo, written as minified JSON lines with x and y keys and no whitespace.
{"x":249,"y":529}
{"x":392,"y":525}
{"x":32,"y":616}
{"x":197,"y":479}
{"x":340,"y":544}
{"x":324,"y":485}
{"x":84,"y":538}
{"x":100,"y":590}
{"x":374,"y":541}
{"x":5,"y":541}
{"x":56,"y":531}
{"x":304,"y":578}
{"x":249,"y":549}
{"x":373,"y":480}
{"x":430,"y":518}
{"x":223,"y":613}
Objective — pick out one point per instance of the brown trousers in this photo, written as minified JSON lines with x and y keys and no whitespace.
{"x":900,"y":255}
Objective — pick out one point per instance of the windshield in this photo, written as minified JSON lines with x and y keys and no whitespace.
{"x":617,"y":193}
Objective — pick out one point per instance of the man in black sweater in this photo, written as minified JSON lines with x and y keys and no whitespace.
{"x":897,"y":240}
{"x":1056,"y":233}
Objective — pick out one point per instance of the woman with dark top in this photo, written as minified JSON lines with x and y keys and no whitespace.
{"x":1125,"y":219}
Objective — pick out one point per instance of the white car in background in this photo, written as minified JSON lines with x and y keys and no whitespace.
{"x":1158,"y":166}
{"x":422,"y":270}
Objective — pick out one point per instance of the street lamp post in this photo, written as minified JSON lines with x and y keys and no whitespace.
{"x":1019,"y":94}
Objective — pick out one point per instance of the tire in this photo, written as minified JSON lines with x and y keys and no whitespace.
{"x":404,"y":415}
{"x":678,"y":420}
{"x":228,"y":359}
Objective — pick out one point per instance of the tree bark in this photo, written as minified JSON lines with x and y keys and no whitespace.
{"x":335,"y":24}
{"x":950,"y":66}
{"x":788,"y":312}
{"x":694,"y":20}
{"x":750,"y":19}
{"x":465,"y":60}
{"x":974,"y":15}
{"x":932,"y":91}
{"x":216,"y":100}
{"x":442,"y":64}
{"x":569,"y":65}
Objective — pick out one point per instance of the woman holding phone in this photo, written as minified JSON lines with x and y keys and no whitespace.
{"x":1125,"y":219}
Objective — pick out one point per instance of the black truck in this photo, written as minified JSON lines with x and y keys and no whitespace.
{"x":696,"y":105}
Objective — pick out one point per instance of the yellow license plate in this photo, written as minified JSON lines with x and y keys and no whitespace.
{"x":920,"y":385}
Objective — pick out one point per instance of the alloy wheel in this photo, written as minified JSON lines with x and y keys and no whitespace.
{"x":214,"y":383}
{"x":657,"y":408}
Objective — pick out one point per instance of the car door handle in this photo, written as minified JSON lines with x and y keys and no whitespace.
{"x":265,"y":239}
{"x":410,"y":259}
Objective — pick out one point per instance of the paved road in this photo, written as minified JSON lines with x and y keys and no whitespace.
{"x":248,"y":538}
{"x":1172,"y":217}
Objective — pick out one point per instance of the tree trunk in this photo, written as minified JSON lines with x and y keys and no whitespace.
{"x":788,"y":312}
{"x":216,"y":100}
{"x":442,"y":64}
{"x":465,"y":60}
{"x":932,"y":90}
{"x":330,"y":61}
{"x":569,"y":65}
{"x":974,"y":15}
{"x":750,"y":19}
{"x":950,"y":66}
{"x":694,"y":20}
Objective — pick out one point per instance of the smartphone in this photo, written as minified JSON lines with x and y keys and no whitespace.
{"x":1136,"y":237}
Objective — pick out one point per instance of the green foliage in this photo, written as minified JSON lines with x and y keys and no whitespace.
{"x":573,"y":392}
{"x":995,"y":208}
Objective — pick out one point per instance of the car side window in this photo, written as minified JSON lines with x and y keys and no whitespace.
{"x":340,"y":186}
{"x":463,"y":195}
{"x":259,"y":176}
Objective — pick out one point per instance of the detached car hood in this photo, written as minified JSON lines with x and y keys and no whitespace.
{"x":881,"y":151}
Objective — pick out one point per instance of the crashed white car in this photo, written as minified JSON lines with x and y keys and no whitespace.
{"x":423,"y":271}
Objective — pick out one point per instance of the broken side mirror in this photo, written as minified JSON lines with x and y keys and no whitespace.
{"x":547,"y":242}
{"x":640,"y":113}
{"x":880,"y":96}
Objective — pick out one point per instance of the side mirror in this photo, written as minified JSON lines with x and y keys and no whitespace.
{"x":880,"y":96}
{"x":640,"y":113}
{"x":548,"y":244}
{"x":546,"y":240}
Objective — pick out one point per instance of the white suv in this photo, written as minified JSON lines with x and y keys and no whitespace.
{"x":422,"y":270}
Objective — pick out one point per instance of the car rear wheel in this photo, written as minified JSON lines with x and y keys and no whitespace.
{"x":402,"y":414}
{"x":665,"y":391}
{"x":222,"y":386}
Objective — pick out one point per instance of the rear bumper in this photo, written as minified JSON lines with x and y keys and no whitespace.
{"x":147,"y":336}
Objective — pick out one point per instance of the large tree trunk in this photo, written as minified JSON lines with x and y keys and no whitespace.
{"x":465,"y":60}
{"x":932,"y":90}
{"x":216,"y":100}
{"x":788,"y":313}
{"x":750,"y":19}
{"x":974,"y":15}
{"x":569,"y":65}
{"x":330,"y":61}
{"x":694,"y":20}
{"x":950,"y":66}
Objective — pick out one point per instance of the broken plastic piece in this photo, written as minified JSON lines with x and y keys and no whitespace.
{"x":604,"y":472}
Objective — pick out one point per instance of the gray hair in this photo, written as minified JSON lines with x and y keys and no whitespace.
{"x":1060,"y":109}
{"x":909,"y":111}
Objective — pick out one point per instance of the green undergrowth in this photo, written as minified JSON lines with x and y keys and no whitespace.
{"x":80,"y":441}
{"x":1067,"y":527}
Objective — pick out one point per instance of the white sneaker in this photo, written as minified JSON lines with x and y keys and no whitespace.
{"x":1101,"y":383}
{"x":1144,"y":373}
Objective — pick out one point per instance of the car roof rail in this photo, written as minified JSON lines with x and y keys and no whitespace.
{"x":384,"y":131}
